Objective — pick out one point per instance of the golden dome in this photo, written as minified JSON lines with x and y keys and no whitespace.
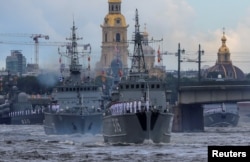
{"x":115,"y":20}
{"x":223,"y":49}
{"x":114,"y":1}
{"x":223,"y":38}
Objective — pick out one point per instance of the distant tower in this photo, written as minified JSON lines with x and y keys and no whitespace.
{"x":149,"y":52}
{"x":223,"y":52}
{"x":224,"y":67}
{"x":114,"y":37}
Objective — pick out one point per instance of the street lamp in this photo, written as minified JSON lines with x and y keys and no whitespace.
{"x":200,"y":52}
{"x":179,"y":63}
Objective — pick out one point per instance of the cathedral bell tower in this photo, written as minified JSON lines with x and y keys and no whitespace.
{"x":114,"y":36}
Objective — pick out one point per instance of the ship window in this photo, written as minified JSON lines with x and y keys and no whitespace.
{"x":66,"y":89}
{"x":80,"y":89}
{"x":127,"y":86}
{"x":152,"y":86}
{"x":121,"y":87}
{"x":158,"y":86}
{"x":74,"y":89}
{"x":142,"y":85}
{"x":62,"y":89}
{"x":88,"y":88}
{"x":137,"y":86}
{"x":70,"y":89}
{"x":132,"y":86}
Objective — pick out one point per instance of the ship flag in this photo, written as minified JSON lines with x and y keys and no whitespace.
{"x":159,"y":54}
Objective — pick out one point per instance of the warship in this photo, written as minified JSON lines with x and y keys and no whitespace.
{"x":138,"y":110}
{"x":221,"y":115}
{"x":77,"y":102}
{"x":20,"y":108}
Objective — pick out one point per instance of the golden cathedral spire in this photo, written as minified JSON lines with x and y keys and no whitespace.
{"x":223,"y":39}
{"x":223,"y":52}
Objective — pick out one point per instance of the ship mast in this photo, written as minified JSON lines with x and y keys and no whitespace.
{"x":72,"y":53}
{"x":75,"y":67}
{"x":138,"y":62}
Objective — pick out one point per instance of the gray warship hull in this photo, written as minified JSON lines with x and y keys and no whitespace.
{"x":23,"y":113}
{"x":71,"y":123}
{"x":221,"y":119}
{"x":137,"y":127}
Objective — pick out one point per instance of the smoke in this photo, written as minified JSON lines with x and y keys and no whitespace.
{"x":48,"y":79}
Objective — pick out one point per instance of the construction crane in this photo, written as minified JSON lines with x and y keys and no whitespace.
{"x":35,"y":38}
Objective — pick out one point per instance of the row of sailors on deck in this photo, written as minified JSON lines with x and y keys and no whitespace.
{"x":128,"y":107}
{"x":26,"y":112}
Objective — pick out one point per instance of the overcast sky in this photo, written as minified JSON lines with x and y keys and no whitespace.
{"x":190,"y":22}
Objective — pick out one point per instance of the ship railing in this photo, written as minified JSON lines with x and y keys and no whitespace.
{"x":75,"y":110}
{"x":134,"y":107}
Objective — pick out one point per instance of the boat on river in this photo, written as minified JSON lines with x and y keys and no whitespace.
{"x":138,"y":110}
{"x":77,"y":104}
{"x":221,"y":115}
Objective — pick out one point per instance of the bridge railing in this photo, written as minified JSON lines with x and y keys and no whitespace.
{"x":213,"y":82}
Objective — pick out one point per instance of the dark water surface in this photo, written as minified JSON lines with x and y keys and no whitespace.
{"x":30,"y":143}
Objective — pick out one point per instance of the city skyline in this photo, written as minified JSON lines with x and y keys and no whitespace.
{"x":188,"y":22}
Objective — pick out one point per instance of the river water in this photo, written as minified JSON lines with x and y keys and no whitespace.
{"x":30,"y":143}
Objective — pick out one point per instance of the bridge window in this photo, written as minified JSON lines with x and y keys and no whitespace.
{"x":127,"y":86}
{"x":132,"y":86}
{"x":142,"y":86}
{"x":152,"y":86}
{"x":137,"y":86}
{"x":157,"y":85}
{"x":121,"y":86}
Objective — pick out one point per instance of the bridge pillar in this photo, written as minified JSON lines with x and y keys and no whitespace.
{"x":188,"y":118}
{"x":177,"y":122}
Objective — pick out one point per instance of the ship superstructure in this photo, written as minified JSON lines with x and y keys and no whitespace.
{"x":77,"y":102}
{"x":139,"y":109}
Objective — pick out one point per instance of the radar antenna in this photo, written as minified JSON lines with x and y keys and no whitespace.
{"x":138,"y":62}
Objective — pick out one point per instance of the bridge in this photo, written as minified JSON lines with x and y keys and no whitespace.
{"x":191,"y":96}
